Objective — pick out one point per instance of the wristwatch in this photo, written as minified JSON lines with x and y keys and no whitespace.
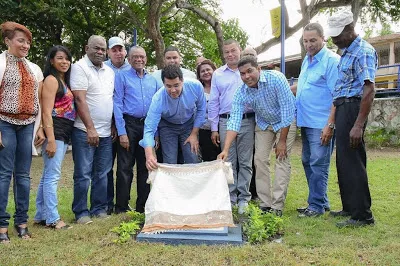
{"x":331,"y":125}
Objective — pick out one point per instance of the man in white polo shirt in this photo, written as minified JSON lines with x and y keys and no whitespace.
{"x":92,"y":83}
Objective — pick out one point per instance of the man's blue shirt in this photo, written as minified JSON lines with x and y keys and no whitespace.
{"x":273,"y":102}
{"x":315,"y":88}
{"x":191,"y":103}
{"x":132,"y":96}
{"x":357,"y":64}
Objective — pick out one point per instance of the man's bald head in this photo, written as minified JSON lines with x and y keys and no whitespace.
{"x":96,"y":49}
{"x":249,"y":51}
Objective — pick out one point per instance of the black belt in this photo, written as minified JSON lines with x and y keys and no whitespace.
{"x":136,"y":120}
{"x":246,"y":115}
{"x":342,"y":100}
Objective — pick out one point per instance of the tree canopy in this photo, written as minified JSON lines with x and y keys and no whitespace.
{"x":194,"y":26}
{"x":159,"y":23}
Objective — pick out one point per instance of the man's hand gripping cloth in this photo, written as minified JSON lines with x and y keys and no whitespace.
{"x":189,"y":196}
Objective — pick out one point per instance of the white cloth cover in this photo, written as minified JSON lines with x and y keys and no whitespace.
{"x":189,"y":196}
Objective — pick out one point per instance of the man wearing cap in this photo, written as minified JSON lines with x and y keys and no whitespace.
{"x":353,"y":97}
{"x":116,"y":53}
{"x":134,"y":89}
{"x":315,"y":116}
{"x":92,"y":83}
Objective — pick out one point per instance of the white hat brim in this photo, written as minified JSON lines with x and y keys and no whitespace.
{"x":333,"y":32}
{"x":115,"y":44}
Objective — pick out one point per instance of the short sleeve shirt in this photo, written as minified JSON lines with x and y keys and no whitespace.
{"x":99,"y":86}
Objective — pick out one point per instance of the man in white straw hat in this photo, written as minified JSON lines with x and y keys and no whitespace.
{"x":353,"y":97}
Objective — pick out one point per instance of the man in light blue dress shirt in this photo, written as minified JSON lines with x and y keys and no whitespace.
{"x":315,"y":116}
{"x":269,"y":95}
{"x":178,"y":111}
{"x":134,"y":89}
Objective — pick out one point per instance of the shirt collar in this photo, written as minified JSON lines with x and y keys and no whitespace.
{"x":135,"y":72}
{"x":262,"y":79}
{"x":225,"y":67}
{"x":90,"y":64}
{"x":353,"y":46}
{"x":319,"y":55}
{"x":123,"y":65}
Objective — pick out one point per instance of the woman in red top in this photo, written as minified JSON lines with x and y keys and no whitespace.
{"x":58,"y":121}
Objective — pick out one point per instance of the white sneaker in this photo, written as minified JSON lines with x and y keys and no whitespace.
{"x":242,"y":207}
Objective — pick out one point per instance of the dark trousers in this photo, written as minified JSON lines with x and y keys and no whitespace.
{"x":253,"y":188}
{"x":209,"y":151}
{"x":110,"y":179}
{"x":351,"y":164}
{"x":125,"y":163}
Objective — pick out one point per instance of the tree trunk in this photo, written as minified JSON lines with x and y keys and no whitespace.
{"x":153,"y":30}
{"x":214,"y":23}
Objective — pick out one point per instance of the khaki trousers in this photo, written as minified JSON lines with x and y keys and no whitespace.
{"x":265,"y":140}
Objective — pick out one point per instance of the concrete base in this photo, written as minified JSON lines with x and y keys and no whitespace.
{"x":233,"y":236}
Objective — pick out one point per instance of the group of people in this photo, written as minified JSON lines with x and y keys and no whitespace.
{"x":116,"y":108}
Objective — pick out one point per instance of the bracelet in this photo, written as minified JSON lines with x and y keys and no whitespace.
{"x":48,"y":126}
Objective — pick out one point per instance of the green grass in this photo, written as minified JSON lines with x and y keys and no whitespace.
{"x":306,"y":241}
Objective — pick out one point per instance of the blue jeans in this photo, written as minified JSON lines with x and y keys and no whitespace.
{"x":91,"y":165}
{"x":46,"y":199}
{"x":15,"y":161}
{"x":172,"y":135}
{"x":316,"y":160}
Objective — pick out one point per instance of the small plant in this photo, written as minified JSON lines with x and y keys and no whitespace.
{"x":381,"y":137}
{"x":136,"y":216}
{"x":127,"y":229}
{"x":260,"y":225}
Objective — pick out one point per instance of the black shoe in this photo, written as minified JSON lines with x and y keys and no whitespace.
{"x":309,"y":213}
{"x":355,"y":223}
{"x":303,"y":209}
{"x":339,"y":213}
{"x":276,"y":212}
{"x":4,"y":239}
{"x":265,"y":209}
{"x":110,"y":211}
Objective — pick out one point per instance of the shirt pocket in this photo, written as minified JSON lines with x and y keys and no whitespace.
{"x":316,"y":78}
{"x":345,"y":75}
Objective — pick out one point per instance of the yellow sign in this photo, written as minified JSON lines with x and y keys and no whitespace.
{"x":276,"y":21}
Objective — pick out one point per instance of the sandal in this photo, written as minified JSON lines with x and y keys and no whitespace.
{"x":40,"y":223}
{"x":22,"y":232}
{"x":4,"y":239}
{"x":56,"y":227}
